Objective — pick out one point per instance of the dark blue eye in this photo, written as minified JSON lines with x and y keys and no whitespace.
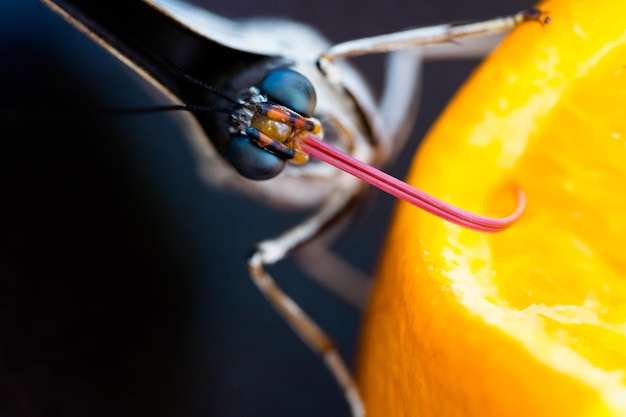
{"x":251,"y":161}
{"x":290,"y":89}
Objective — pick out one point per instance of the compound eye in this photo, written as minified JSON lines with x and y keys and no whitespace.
{"x":290,"y":89}
{"x":251,"y":161}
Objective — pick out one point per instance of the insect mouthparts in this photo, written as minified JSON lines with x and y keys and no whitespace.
{"x":400,"y":189}
{"x":288,"y":135}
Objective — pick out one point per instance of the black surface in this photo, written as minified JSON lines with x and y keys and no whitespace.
{"x":123,"y":288}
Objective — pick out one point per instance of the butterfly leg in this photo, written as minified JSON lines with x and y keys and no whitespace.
{"x":432,"y":35}
{"x":335,"y":274}
{"x":399,"y":103}
{"x":273,"y":250}
{"x":409,"y":49}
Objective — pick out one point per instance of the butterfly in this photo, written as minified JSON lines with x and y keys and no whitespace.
{"x":260,"y":95}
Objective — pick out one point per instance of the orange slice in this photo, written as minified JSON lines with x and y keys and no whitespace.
{"x":532,"y":321}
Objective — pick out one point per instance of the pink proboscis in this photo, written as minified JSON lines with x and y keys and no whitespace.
{"x":397,"y":188}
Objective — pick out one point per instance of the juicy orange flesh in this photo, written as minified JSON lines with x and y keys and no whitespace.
{"x":531,"y":321}
{"x":574,"y":170}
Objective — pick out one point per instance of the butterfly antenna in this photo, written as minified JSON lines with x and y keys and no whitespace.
{"x":207,"y":87}
{"x":193,"y":108}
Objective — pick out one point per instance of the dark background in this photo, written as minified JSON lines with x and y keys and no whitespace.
{"x":123,"y":287}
